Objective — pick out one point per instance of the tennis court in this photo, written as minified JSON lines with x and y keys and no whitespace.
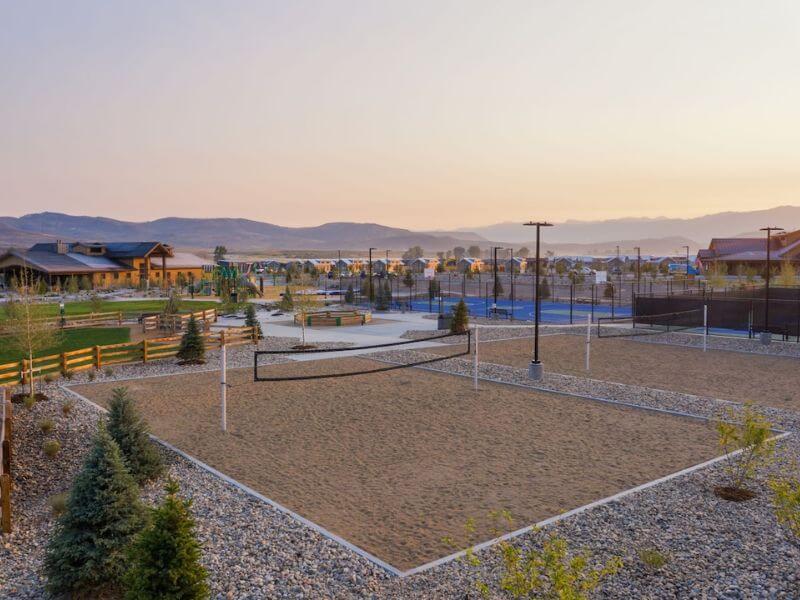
{"x":395,"y":461}
{"x":769,"y":380}
{"x":551,"y":312}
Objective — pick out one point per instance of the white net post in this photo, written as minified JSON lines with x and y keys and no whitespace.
{"x":223,"y":387}
{"x":475,"y":360}
{"x":588,"y":339}
{"x":705,"y":327}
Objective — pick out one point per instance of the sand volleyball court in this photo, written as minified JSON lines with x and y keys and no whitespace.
{"x":394,"y":462}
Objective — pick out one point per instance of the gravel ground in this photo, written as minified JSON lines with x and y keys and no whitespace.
{"x":714,"y":549}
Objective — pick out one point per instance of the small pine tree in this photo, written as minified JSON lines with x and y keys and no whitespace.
{"x":250,"y":319}
{"x":350,"y":296}
{"x":387,"y":294}
{"x":287,"y":301}
{"x":460,"y":318}
{"x":129,"y":430}
{"x":72,"y":285}
{"x":87,"y":551}
{"x":380,"y":300}
{"x":192,"y":348}
{"x":544,"y":288}
{"x":165,"y":557}
{"x":85,"y":283}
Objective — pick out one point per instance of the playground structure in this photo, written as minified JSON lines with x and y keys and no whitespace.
{"x":334,"y":318}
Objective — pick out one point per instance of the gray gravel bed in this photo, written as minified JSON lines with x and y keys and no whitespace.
{"x":719,"y":342}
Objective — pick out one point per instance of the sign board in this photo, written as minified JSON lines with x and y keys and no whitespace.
{"x":600,"y":276}
{"x":430,"y":273}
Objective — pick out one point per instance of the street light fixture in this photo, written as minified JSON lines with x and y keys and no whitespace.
{"x":766,"y":336}
{"x":535,"y":370}
{"x":370,"y":278}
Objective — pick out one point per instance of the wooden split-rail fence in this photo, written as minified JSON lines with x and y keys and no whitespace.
{"x":75,"y":321}
{"x":175,"y":323}
{"x":5,"y":461}
{"x":97,"y":357}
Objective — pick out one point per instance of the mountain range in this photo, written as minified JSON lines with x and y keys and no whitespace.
{"x":653,"y":235}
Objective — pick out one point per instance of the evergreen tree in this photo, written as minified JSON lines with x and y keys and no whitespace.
{"x":130,"y":431}
{"x":250,"y":319}
{"x":380,"y":300}
{"x":349,"y":296}
{"x":87,"y":551}
{"x":498,"y":285}
{"x":165,"y":557}
{"x":85,"y":283}
{"x":287,"y":302}
{"x":460,"y":318}
{"x":387,"y":294}
{"x":193,"y":348}
{"x":72,"y":285}
{"x":544,"y":288}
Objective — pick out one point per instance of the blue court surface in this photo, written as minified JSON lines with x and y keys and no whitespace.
{"x":552,"y":312}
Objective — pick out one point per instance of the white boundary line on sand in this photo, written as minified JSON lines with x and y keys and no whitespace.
{"x":250,"y":491}
{"x":451,"y":557}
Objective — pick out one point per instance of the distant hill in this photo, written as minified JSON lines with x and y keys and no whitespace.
{"x":236,"y":234}
{"x":701,"y":229}
{"x":12,"y":237}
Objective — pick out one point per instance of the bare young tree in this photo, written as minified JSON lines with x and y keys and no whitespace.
{"x":305,"y":299}
{"x":26,"y":329}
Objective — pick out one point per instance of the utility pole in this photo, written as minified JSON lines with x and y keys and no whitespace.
{"x":766,"y":336}
{"x":535,"y":370}
{"x":370,"y":277}
{"x":638,"y":268}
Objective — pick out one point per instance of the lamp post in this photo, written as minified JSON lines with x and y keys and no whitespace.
{"x":370,"y":277}
{"x":494,"y":274}
{"x":686,"y":277}
{"x":638,"y":268}
{"x":766,"y":336}
{"x":535,"y":370}
{"x":339,"y":273}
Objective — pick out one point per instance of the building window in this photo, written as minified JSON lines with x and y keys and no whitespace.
{"x":116,"y":275}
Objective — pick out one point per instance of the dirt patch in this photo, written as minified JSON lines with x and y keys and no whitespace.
{"x":770,"y":380}
{"x":395,"y":462}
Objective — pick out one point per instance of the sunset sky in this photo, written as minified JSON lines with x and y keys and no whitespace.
{"x":430,"y":115}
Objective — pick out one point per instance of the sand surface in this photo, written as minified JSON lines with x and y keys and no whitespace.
{"x":769,"y":380}
{"x":397,"y":461}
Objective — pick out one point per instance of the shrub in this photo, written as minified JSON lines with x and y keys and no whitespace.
{"x":460,"y":318}
{"x":46,"y":425}
{"x":67,"y":374}
{"x":129,"y":430}
{"x":91,"y":375}
{"x":349,"y":295}
{"x":58,"y":503}
{"x":48,"y":378}
{"x":29,"y":402}
{"x":165,"y":557}
{"x":86,"y":553}
{"x":652,"y":558}
{"x":108,"y":372}
{"x":67,"y":407}
{"x":544,"y":288}
{"x":192,"y":348}
{"x":287,"y":301}
{"x":752,"y":436}
{"x":786,"y":500}
{"x":51,"y":447}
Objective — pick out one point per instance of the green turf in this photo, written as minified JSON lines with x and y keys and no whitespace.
{"x":75,"y":339}
{"x":129,"y":308}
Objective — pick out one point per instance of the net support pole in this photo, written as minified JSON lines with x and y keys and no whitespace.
{"x":705,"y":327}
{"x":588,"y":339}
{"x":475,"y":360}
{"x":223,"y":387}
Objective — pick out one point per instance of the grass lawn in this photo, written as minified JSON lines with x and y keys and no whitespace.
{"x":75,"y":339}
{"x":129,"y":308}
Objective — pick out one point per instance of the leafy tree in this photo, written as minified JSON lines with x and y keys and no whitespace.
{"x":305,"y":301}
{"x":85,"y":283}
{"x":180,"y":281}
{"x":349,"y":296}
{"x":459,"y":252}
{"x":440,"y":266}
{"x":498,"y":287}
{"x":72,"y":285}
{"x":380,"y":300}
{"x":716,"y":275}
{"x":387,"y":294}
{"x":192,"y":349}
{"x":433,"y":288}
{"x":173,"y":304}
{"x":608,"y":291}
{"x":86,"y":553}
{"x":786,"y":500}
{"x":95,"y":302}
{"x":41,"y":287}
{"x":26,"y":330}
{"x":165,"y":557}
{"x":413,"y":252}
{"x":130,"y":431}
{"x":250,"y":319}
{"x":523,"y":252}
{"x":788,"y":275}
{"x":287,"y":301}
{"x":460,"y":320}
{"x":474,"y":251}
{"x":219,"y":253}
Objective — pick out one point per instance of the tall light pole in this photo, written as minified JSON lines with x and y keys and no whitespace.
{"x":638,"y":267}
{"x":494,"y":273}
{"x":686,"y":277}
{"x":535,"y":370}
{"x":370,"y":277}
{"x":339,"y":272}
{"x":766,"y":336}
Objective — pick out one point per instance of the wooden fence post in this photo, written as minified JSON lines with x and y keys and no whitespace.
{"x":97,"y":360}
{"x":119,"y":318}
{"x":25,"y":369}
{"x":63,"y":362}
{"x":254,"y":334}
{"x":144,"y":350}
{"x":5,"y":509}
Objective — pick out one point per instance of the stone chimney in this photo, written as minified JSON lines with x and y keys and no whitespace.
{"x":62,"y":247}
